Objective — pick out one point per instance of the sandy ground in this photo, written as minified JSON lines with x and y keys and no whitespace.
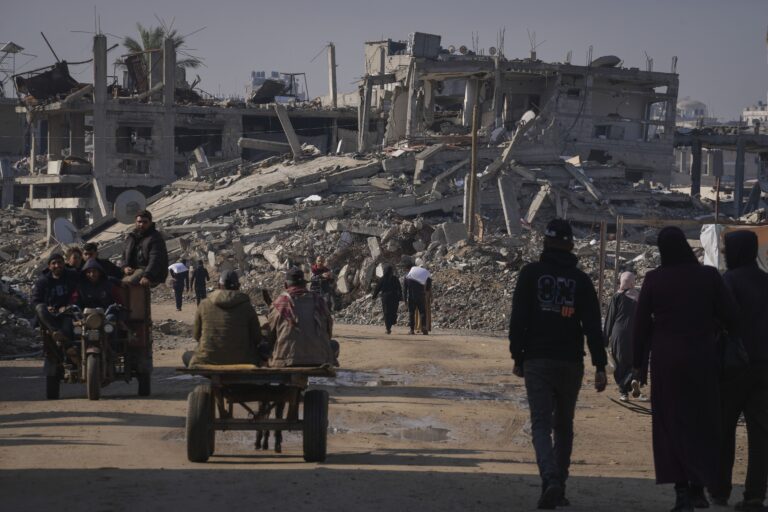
{"x":416,"y":423}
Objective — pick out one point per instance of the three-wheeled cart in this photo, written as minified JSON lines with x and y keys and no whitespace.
{"x":210,"y":406}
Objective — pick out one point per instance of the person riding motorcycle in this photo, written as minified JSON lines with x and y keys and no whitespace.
{"x":51,"y":294}
{"x":95,"y":289}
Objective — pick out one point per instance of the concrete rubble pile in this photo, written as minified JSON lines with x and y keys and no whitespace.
{"x":396,"y":206}
{"x":17,"y":337}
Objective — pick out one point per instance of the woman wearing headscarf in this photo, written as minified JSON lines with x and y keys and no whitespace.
{"x":391,"y":295}
{"x":680,"y":308}
{"x":618,"y":330}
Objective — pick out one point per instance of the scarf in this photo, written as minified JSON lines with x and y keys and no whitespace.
{"x":285,"y":306}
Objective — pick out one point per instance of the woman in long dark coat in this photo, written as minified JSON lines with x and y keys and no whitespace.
{"x":618,"y":329}
{"x":676,"y":321}
{"x":391,"y":295}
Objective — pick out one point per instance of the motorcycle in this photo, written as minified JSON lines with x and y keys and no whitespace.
{"x":100,"y":352}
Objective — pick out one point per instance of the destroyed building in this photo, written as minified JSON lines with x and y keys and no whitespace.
{"x":100,"y":139}
{"x":601,"y":112}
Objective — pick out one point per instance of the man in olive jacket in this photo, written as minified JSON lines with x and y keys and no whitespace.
{"x":226,"y":326}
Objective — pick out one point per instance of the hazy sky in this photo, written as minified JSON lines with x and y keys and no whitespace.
{"x":720,"y":44}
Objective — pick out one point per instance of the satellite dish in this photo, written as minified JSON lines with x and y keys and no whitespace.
{"x":463,"y":50}
{"x":492,"y":50}
{"x":64,"y":231}
{"x":451,"y":49}
{"x":128,"y":204}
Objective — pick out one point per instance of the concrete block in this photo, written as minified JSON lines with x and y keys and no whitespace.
{"x":374,"y":247}
{"x":419,"y":246}
{"x":273,"y":257}
{"x":438,"y":235}
{"x":366,"y":272}
{"x":342,"y":282}
{"x":454,"y":232}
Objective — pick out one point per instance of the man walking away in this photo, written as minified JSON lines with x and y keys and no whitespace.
{"x":180,"y":279}
{"x":199,"y":279}
{"x":618,"y":331}
{"x":391,"y":295}
{"x":553,"y":307}
{"x":416,"y":285}
{"x":746,"y":390}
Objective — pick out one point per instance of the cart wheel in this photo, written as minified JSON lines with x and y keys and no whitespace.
{"x":145,"y":384}
{"x":315,"y":425}
{"x":200,"y":430}
{"x":93,"y":377}
{"x":52,"y":387}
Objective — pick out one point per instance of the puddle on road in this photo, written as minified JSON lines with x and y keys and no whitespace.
{"x":428,"y":434}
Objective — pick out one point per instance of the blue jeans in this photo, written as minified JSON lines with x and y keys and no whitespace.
{"x":553,"y":388}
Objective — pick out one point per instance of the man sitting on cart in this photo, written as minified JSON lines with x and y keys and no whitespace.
{"x":226,"y":326}
{"x":51,"y":294}
{"x":301,"y":325}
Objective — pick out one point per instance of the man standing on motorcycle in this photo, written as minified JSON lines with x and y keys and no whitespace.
{"x":145,"y":257}
{"x":51,"y":293}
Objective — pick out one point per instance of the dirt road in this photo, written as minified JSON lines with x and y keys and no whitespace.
{"x":416,"y":423}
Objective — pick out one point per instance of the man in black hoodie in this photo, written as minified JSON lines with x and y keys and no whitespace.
{"x":145,"y":258}
{"x":52,"y":291}
{"x":553,"y":307}
{"x":746,"y":390}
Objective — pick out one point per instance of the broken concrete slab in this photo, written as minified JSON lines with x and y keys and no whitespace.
{"x":196,"y":227}
{"x":342,"y":281}
{"x":453,"y":232}
{"x":402,"y":164}
{"x":264,"y":145}
{"x":374,"y":247}
{"x":285,"y":122}
{"x":363,"y":171}
{"x":508,"y":194}
{"x":336,"y":225}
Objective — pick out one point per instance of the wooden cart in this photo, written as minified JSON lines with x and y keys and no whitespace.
{"x":210,"y":406}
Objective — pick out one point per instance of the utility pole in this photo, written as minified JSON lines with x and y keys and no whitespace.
{"x":332,"y":73}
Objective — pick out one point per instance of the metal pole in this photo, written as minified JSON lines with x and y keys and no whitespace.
{"x":473,"y":177}
{"x":601,"y":276}
{"x":717,"y":199}
{"x":616,"y":264}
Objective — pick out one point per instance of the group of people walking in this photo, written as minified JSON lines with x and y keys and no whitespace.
{"x":416,"y":291}
{"x":683,"y":325}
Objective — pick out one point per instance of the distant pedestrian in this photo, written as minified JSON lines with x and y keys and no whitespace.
{"x":180,"y":281}
{"x":618,"y":332}
{"x":554,"y":306}
{"x":745,"y":390}
{"x":391,"y":295}
{"x":199,"y":281}
{"x":680,"y":308}
{"x":417,"y":289}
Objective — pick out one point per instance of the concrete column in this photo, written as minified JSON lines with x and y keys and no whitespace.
{"x":696,"y":168}
{"x":334,"y":135}
{"x":470,"y":98}
{"x":509,"y":203}
{"x":57,"y":138}
{"x":34,"y":126}
{"x":6,"y":183}
{"x":365,"y":116}
{"x":77,"y":134}
{"x":332,"y":74}
{"x":100,"y":134}
{"x":738,"y":179}
{"x":232,"y":130}
{"x":498,"y":94}
{"x":156,"y":70}
{"x":429,"y":102}
{"x":290,"y":134}
{"x":167,"y":148}
{"x":762,"y":171}
{"x":412,"y":115}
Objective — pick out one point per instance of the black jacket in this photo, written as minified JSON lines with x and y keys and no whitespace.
{"x":147,"y":251}
{"x":109,"y":268}
{"x":414,"y":291}
{"x":553,"y":307}
{"x":95,"y":295}
{"x":55,"y":292}
{"x":199,"y":278}
{"x":749,"y":286}
{"x":389,"y":286}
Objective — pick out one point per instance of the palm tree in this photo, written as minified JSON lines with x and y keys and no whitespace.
{"x":152,"y":39}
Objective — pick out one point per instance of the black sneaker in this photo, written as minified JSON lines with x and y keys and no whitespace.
{"x":698,"y":499}
{"x":550,"y":496}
